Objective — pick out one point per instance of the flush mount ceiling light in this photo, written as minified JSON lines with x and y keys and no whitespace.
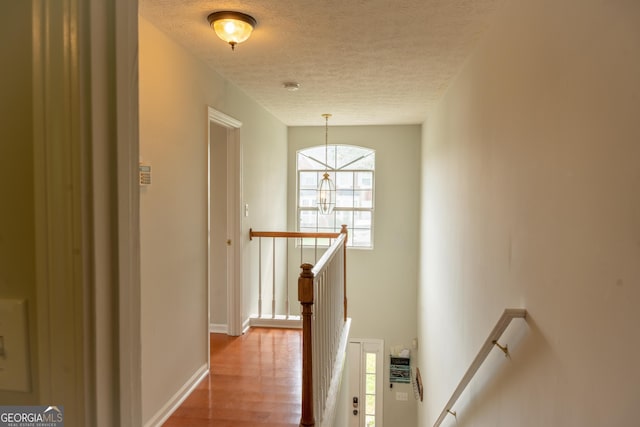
{"x":232,"y":27}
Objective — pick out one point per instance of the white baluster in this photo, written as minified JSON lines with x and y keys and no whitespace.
{"x":273,"y":281}
{"x":259,"y":277}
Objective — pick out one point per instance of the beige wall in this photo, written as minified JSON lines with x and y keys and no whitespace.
{"x":17,"y":234}
{"x":175,"y":90}
{"x":531,"y":177}
{"x":382,"y":283}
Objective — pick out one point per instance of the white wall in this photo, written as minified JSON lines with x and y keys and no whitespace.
{"x":381,"y":283}
{"x":531,"y":177}
{"x":175,"y":90}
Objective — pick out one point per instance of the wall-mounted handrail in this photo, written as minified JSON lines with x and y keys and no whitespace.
{"x":492,"y":341}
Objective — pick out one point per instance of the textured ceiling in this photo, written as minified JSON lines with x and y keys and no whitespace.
{"x":364,"y":61}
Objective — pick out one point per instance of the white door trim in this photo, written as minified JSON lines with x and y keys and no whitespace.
{"x":62,"y":251}
{"x":370,"y":345}
{"x":234,"y":219}
{"x":129,"y":349}
{"x":86,"y":209}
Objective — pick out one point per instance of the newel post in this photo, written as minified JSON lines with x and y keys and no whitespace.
{"x":305,"y":296}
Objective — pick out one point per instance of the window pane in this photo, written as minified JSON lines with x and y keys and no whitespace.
{"x":363,"y":180}
{"x":311,"y":242}
{"x":308,"y":180}
{"x":344,"y":198}
{"x":362,"y":219}
{"x":367,"y":162}
{"x":351,"y":155}
{"x":345,"y":217}
{"x":370,"y":384}
{"x":344,"y":179}
{"x":308,"y":220}
{"x":360,"y":238}
{"x":326,"y":222}
{"x":371,"y":363}
{"x":330,"y":156}
{"x":312,"y":158}
{"x":370,"y":421}
{"x":371,"y":404}
{"x":308,"y":198}
{"x":363,"y":199}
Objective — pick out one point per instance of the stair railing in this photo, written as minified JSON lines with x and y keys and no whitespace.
{"x":275,"y":254}
{"x":322,"y":294}
{"x":492,"y":341}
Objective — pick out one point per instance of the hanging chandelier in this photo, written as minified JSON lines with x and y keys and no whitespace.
{"x":326,"y":189}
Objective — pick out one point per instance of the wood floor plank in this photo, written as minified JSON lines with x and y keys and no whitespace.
{"x":254,"y":380}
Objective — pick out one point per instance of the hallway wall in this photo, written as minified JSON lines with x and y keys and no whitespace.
{"x":531,"y":177}
{"x":175,"y":91}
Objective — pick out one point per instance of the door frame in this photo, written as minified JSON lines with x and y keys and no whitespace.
{"x":376,"y":346}
{"x":85,"y":140}
{"x":234,"y":220}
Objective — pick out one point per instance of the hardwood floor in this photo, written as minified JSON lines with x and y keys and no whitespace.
{"x":254,"y":380}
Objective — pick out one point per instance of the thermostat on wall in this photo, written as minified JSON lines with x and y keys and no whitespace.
{"x":145,"y":174}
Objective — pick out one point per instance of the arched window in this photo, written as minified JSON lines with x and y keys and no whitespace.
{"x":352,"y":170}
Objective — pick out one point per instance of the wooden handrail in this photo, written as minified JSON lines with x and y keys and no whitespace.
{"x":326,"y":257}
{"x":492,"y":341}
{"x":293,"y":234}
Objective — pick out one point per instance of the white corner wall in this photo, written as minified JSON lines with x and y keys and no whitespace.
{"x":381,"y":283}
{"x":175,"y":91}
{"x":530,"y":198}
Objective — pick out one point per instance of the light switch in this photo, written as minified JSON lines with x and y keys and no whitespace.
{"x":14,"y":353}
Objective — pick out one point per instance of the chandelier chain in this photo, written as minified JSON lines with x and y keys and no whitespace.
{"x":326,"y":141}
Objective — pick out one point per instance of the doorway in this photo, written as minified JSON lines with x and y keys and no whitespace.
{"x":365,"y":382}
{"x":225,"y":223}
{"x":218,"y":233}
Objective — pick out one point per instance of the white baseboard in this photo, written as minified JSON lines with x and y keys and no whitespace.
{"x":169,"y":408}
{"x":246,"y":325}
{"x":218,"y":328}
{"x":279,"y":321}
